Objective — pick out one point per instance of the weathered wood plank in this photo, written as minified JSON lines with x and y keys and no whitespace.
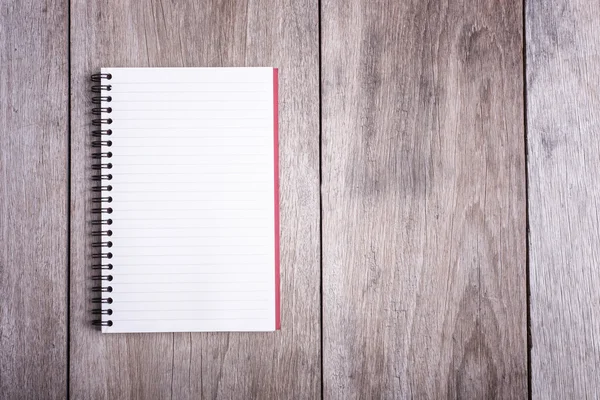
{"x":33,"y":199}
{"x":285,"y":364}
{"x":424,"y":219}
{"x":563,"y":119}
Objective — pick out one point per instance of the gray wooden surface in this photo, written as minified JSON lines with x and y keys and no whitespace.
{"x":33,"y":199}
{"x":402,"y":131}
{"x":563,"y":81}
{"x":285,"y":364}
{"x":424,"y":218}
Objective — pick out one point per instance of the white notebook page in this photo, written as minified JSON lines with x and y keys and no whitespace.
{"x":193,"y":199}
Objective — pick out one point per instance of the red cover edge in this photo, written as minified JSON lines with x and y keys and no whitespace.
{"x":276,"y":167}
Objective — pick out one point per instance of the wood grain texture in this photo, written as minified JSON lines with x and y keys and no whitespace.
{"x":33,"y":199}
{"x":563,"y":98}
{"x":284,"y":364}
{"x":424,"y":218}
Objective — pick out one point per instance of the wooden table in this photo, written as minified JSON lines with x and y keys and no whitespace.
{"x":439,"y":199}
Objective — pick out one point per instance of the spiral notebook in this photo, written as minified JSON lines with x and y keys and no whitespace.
{"x":186,"y":226}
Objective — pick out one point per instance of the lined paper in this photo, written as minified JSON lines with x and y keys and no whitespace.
{"x":193,"y":200}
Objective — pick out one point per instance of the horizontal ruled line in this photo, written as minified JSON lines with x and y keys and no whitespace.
{"x":178,"y":200}
{"x":117,"y":145}
{"x":116,"y":181}
{"x":194,"y":309}
{"x":117,"y":119}
{"x":156,"y":92}
{"x":195,"y":128}
{"x":114,"y":138}
{"x":188,"y":301}
{"x":186,"y":155}
{"x":195,"y":245}
{"x":192,"y":291}
{"x":117,"y":273}
{"x":169,"y":228}
{"x":116,"y":166}
{"x":255,"y":264}
{"x":116,"y":191}
{"x":118,"y":237}
{"x":192,"y":227}
{"x":187,"y":173}
{"x":187,"y":101}
{"x":117,"y":283}
{"x":186,"y":218}
{"x":192,"y":255}
{"x":186,"y":319}
{"x":116,"y":227}
{"x":162,"y":209}
{"x":116,"y":82}
{"x":197,"y":109}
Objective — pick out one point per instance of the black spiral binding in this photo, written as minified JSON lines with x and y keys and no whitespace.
{"x":101,"y":173}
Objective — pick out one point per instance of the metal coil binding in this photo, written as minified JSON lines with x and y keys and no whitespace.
{"x":101,"y":167}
